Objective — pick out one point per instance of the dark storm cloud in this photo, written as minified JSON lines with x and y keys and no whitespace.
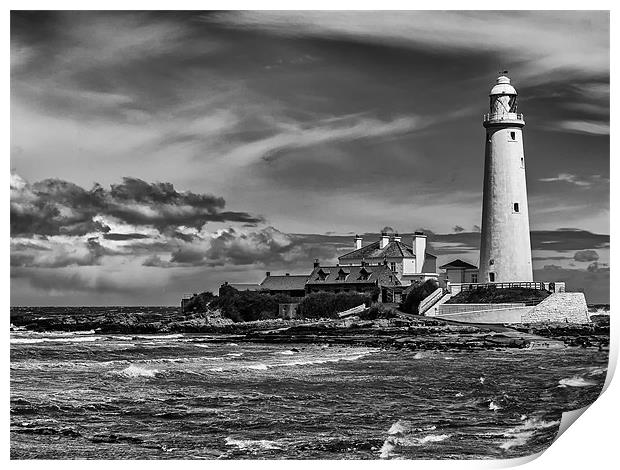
{"x":595,"y":283}
{"x":76,"y":253}
{"x":124,"y":236}
{"x":56,"y":207}
{"x":586,"y":255}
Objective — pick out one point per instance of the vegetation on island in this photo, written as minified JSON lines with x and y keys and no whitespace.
{"x":493,"y":295}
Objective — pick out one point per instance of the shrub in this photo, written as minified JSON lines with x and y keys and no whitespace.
{"x":328,"y":304}
{"x":198,"y":303}
{"x":417,"y":294}
{"x":378,"y":311}
{"x":248,"y":305}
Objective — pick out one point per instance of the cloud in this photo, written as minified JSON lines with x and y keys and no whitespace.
{"x":57,"y":207}
{"x":124,"y":236}
{"x":586,"y":255}
{"x":58,"y":253}
{"x":576,"y":180}
{"x":292,"y":135}
{"x":550,"y":43}
{"x":583,"y":127}
{"x":597,"y":267}
{"x":594,"y":283}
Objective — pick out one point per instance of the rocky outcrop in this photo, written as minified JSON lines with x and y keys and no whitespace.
{"x":568,"y":307}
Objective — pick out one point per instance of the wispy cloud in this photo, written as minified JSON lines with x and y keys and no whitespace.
{"x":293,"y":136}
{"x":576,"y":180}
{"x":583,"y":127}
{"x":547,"y":43}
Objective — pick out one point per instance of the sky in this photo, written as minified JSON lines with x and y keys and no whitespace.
{"x":155,"y":154}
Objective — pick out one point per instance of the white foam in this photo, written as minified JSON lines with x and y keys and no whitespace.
{"x":252,"y":444}
{"x":493,"y":406}
{"x":258,"y":367}
{"x":482,"y":379}
{"x":286,"y":353}
{"x":397,"y":428}
{"x":136,"y":371}
{"x":172,"y":336}
{"x":71,"y":339}
{"x":520,"y":435}
{"x":575,"y":382}
{"x":234,"y":354}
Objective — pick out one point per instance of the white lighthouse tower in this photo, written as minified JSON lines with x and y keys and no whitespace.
{"x":505,"y":250}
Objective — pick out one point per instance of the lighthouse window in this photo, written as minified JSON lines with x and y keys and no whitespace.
{"x":513,"y":136}
{"x":491,"y":262}
{"x":516,"y":207}
{"x":522,"y":163}
{"x":492,"y":277}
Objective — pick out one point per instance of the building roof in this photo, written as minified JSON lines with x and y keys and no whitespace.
{"x":242,"y":287}
{"x":352,"y":275}
{"x":285,"y":282}
{"x":458,"y":264}
{"x":394,"y":249}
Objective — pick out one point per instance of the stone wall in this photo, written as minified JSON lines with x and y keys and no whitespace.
{"x":568,"y":307}
{"x":504,"y":315}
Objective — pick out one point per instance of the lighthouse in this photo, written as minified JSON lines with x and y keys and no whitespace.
{"x":505,"y":250}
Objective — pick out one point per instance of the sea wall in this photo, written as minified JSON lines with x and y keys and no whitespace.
{"x":499,"y":315}
{"x":567,"y":307}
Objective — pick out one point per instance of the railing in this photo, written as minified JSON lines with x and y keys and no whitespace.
{"x":503,"y":117}
{"x":450,"y":309}
{"x":455,"y":288}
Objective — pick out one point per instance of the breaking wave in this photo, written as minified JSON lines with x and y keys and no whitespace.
{"x":134,"y":371}
{"x":575,"y":382}
{"x":252,"y":444}
{"x":520,"y":435}
{"x":402,"y":435}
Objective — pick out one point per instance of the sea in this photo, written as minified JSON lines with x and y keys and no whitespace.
{"x":83,"y":395}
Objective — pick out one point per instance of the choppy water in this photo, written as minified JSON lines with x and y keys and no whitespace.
{"x":186,"y":397}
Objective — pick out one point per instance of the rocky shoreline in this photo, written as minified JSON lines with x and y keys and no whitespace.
{"x":406,"y":331}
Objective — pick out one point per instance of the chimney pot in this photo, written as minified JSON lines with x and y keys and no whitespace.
{"x":268,"y":273}
{"x":316,"y":263}
{"x":287,"y":274}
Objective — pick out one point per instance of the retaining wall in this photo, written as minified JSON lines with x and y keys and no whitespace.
{"x":500,"y":315}
{"x":567,"y":307}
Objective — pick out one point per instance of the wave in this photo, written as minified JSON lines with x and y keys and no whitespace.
{"x":252,"y":444}
{"x":402,"y":434}
{"x":171,"y":336}
{"x":493,"y":406}
{"x":575,"y":382}
{"x":520,"y":435}
{"x":234,"y":354}
{"x":70,"y":339}
{"x":134,"y":371}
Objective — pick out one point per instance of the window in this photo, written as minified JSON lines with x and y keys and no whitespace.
{"x":474,"y":278}
{"x":342,"y":275}
{"x":492,"y":277}
{"x":522,"y":162}
{"x":491,"y":262}
{"x":513,"y":136}
{"x":393,"y":266}
{"x":515,"y":207}
{"x":322,"y":275}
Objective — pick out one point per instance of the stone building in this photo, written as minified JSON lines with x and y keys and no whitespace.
{"x":361,"y":278}
{"x":408,"y":262}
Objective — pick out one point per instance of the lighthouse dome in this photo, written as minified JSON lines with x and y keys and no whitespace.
{"x":503,"y":87}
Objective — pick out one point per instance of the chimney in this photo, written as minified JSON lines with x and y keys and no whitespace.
{"x":358,"y":242}
{"x":419,"y":250}
{"x":268,"y":273}
{"x":316,"y":263}
{"x":287,"y":274}
{"x":396,"y":237}
{"x":385,"y":239}
{"x":364,"y":262}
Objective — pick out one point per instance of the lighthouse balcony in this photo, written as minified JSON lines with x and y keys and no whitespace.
{"x":503,"y":118}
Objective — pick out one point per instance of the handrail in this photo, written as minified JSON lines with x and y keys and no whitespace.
{"x":503,"y":117}
{"x":430,"y":300}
